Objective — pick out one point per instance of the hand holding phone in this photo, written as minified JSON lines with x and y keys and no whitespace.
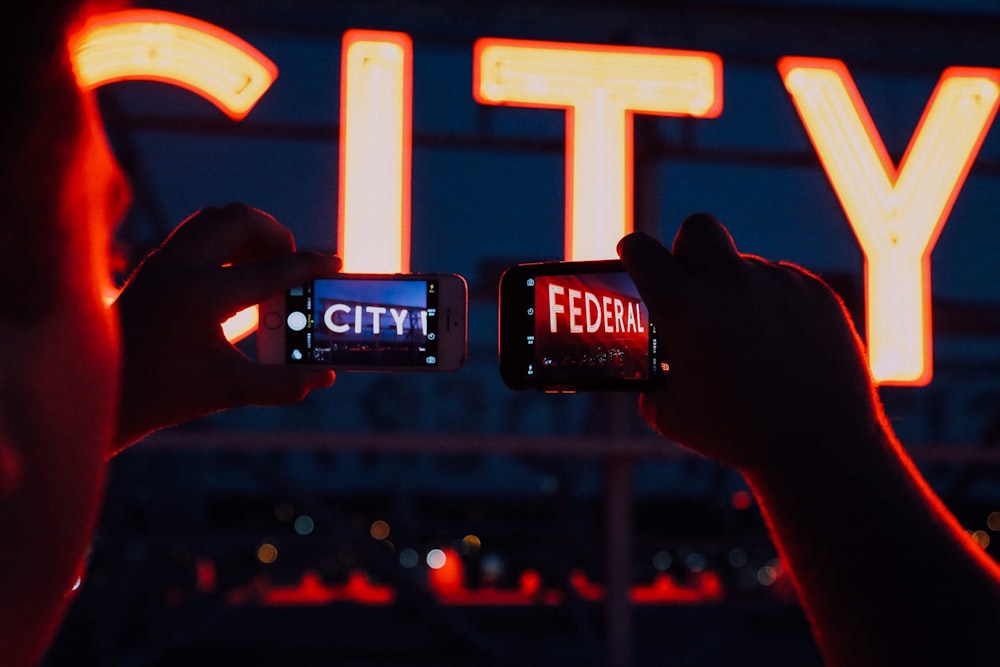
{"x":571,"y":326}
{"x":369,"y":322}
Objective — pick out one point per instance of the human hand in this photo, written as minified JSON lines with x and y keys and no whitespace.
{"x":764,"y":359}
{"x":177,"y":363}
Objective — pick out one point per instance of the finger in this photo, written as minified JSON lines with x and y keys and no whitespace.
{"x":244,"y":285}
{"x":651,"y":266}
{"x":229,"y":234}
{"x":703,"y":243}
{"x":263,"y":384}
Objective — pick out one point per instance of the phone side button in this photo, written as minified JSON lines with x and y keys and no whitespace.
{"x":272,"y":320}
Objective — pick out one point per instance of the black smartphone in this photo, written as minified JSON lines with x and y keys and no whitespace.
{"x":369,"y":322}
{"x":576,"y":326}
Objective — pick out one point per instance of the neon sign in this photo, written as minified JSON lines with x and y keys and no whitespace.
{"x":601,"y":87}
{"x":176,"y":49}
{"x":375,"y":144}
{"x":896,"y":213}
{"x":172,"y":48}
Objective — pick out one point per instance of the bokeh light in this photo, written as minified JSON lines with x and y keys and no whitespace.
{"x":436,"y":559}
{"x":379,"y":529}
{"x":766,"y":575}
{"x":742,"y":500}
{"x":471,"y":544}
{"x":267,"y":553}
{"x":304,"y":524}
{"x":408,"y":558}
{"x":696,"y":562}
{"x":981,"y":537}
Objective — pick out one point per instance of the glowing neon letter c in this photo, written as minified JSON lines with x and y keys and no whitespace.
{"x":173,"y":48}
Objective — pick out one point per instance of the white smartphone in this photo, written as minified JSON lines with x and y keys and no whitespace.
{"x":369,"y":322}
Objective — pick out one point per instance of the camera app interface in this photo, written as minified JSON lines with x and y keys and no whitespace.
{"x":363,"y":322}
{"x":589,"y":326}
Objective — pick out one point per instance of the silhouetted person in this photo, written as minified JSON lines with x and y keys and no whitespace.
{"x":767,"y":374}
{"x":80,"y":380}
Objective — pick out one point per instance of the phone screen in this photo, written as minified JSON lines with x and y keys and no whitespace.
{"x":363,"y":322}
{"x":586,"y":330}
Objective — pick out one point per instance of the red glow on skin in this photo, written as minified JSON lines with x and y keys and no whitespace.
{"x":154,"y":45}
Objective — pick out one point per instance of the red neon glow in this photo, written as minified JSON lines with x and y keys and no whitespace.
{"x":311,"y":590}
{"x":449,"y":576}
{"x":173,"y":48}
{"x":601,"y":87}
{"x":584,"y":587}
{"x":528,"y":592}
{"x":375,"y":151}
{"x":896,"y":214}
{"x":177,"y":49}
{"x":706,"y":587}
{"x":206,"y":577}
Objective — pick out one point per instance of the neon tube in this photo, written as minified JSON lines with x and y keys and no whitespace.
{"x":601,"y":87}
{"x":896,"y":214}
{"x":176,"y":49}
{"x":375,"y":152}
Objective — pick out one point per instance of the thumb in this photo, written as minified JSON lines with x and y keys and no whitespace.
{"x":267,"y":385}
{"x":702,"y":244}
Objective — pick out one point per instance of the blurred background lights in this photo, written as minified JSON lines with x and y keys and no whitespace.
{"x":696,"y":562}
{"x":993,"y":521}
{"x":738,"y":558}
{"x":982,"y":538}
{"x":304,"y":525}
{"x":491,"y":568}
{"x":742,"y":500}
{"x":379,"y":529}
{"x":436,"y":559}
{"x":662,"y":560}
{"x":267,"y":553}
{"x":766,"y":575}
{"x":408,"y":558}
{"x":471,"y":544}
